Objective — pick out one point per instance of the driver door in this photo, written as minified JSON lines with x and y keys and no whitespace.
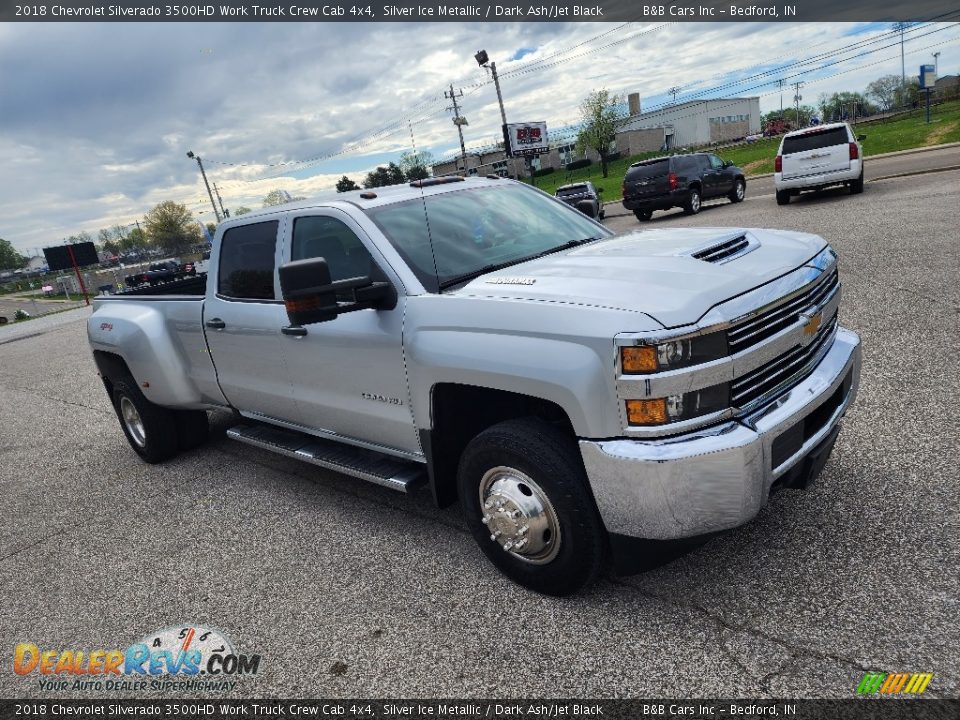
{"x":348,"y":373}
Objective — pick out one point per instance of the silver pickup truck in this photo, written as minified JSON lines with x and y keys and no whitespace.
{"x":571,"y":388}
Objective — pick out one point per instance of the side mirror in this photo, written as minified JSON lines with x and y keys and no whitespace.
{"x":599,"y":191}
{"x":861,"y":138}
{"x":728,"y":163}
{"x":310,"y":296}
{"x":586,"y":207}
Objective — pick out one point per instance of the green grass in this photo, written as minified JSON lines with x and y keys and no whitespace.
{"x":882,"y":136}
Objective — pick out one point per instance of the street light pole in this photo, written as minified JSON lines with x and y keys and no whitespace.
{"x":197,"y":158}
{"x":936,"y":64}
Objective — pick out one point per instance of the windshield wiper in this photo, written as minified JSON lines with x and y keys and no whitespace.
{"x":499,"y":266}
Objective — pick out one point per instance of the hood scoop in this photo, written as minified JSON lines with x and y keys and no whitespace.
{"x":726,"y":249}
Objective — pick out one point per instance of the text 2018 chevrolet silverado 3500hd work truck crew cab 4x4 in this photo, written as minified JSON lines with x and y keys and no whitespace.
{"x":572,"y":388}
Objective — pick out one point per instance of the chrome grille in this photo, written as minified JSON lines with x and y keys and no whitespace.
{"x":781,"y":372}
{"x":723,"y":251}
{"x":784,"y":315}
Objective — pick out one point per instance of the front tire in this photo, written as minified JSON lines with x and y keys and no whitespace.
{"x":527,"y":503}
{"x":739,"y":191}
{"x":643,"y":215}
{"x":783,"y":197}
{"x":692,"y":206}
{"x":150,"y":429}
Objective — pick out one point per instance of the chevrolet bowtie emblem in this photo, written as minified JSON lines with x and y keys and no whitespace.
{"x":812,"y":323}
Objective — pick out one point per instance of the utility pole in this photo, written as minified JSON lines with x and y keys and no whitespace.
{"x":797,"y":98}
{"x":459,"y":121}
{"x":673,"y":91}
{"x":780,"y":81}
{"x":226,"y":213}
{"x":901,"y":27}
{"x":197,"y":158}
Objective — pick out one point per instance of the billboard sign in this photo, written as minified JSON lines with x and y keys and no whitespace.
{"x":58,"y":256}
{"x":528,"y":138}
{"x":928,"y":77}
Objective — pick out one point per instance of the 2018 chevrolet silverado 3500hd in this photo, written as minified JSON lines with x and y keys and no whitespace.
{"x":572,"y":388}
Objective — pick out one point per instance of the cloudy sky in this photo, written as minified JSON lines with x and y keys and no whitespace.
{"x":96,"y":119}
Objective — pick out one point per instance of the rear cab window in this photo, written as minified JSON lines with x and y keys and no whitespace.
{"x":814,"y":139}
{"x":572,"y":190}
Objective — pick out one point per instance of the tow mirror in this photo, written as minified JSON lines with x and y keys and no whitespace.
{"x":310,"y":296}
{"x":728,"y":163}
{"x":599,"y":191}
{"x":861,"y":138}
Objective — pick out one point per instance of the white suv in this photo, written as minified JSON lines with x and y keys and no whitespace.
{"x":817,"y":157}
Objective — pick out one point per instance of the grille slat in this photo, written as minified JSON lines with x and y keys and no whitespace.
{"x":756,"y":384}
{"x":772,"y":321}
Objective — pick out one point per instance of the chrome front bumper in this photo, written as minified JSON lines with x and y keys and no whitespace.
{"x":719,"y":477}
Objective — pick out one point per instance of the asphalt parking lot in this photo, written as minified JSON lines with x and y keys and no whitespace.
{"x":349,"y":590}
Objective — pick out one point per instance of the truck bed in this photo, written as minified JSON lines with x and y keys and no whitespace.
{"x":195,"y":286}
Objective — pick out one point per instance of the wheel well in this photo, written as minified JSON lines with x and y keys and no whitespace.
{"x":459,"y":413}
{"x":696,"y":184}
{"x":111,"y":367}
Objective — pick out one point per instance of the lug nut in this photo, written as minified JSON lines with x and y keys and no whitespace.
{"x":488,"y":504}
{"x":508,"y":544}
{"x":515,"y":514}
{"x":496,"y":534}
{"x":520,"y":544}
{"x":485,"y":519}
{"x":523,"y":530}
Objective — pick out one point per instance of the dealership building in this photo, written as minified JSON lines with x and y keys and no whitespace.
{"x":695,"y":123}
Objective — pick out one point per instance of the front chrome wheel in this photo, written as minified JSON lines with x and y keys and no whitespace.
{"x":133,"y":421}
{"x":741,"y":191}
{"x":519,"y":515}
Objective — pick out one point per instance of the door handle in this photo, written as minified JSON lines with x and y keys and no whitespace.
{"x":216,"y":324}
{"x":295,"y":330}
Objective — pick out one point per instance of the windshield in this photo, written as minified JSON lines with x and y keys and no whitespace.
{"x":473,"y":230}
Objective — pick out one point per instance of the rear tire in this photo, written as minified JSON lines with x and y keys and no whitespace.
{"x":150,"y":429}
{"x":531,"y":476}
{"x":856,"y":187}
{"x":783,"y":197}
{"x":739,"y":191}
{"x":193,"y":428}
{"x":643,"y":215}
{"x":692,"y":206}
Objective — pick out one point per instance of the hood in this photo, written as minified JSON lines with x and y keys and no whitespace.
{"x":652,"y":272}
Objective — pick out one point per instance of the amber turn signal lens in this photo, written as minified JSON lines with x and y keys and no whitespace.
{"x":647,"y":412}
{"x":640,"y":359}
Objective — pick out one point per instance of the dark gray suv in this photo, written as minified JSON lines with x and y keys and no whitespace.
{"x":575,"y":193}
{"x":683,"y":181}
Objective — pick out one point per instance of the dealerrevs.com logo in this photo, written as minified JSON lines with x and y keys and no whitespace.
{"x":191,"y":658}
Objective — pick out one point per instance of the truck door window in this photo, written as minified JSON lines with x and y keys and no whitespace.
{"x":715,"y":162}
{"x":331,"y":239}
{"x":247,"y":255}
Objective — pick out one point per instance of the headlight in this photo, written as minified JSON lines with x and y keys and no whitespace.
{"x":659,"y":411}
{"x":673,"y":354}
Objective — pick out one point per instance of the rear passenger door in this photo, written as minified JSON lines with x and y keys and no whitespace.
{"x":243,"y":314}
{"x":348,"y":373}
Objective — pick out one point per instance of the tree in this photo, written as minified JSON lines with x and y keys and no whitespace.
{"x":242,"y":210}
{"x":885,"y":91}
{"x":602,"y":115}
{"x":383,"y":176}
{"x":171,"y":227}
{"x":279,"y":197}
{"x":416,"y":164}
{"x":10,"y":259}
{"x":134,"y":241}
{"x":345,"y":184}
